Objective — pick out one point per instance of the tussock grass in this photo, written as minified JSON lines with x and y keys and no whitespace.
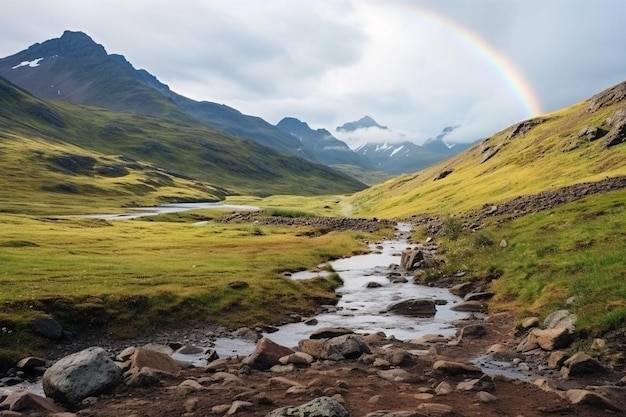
{"x":574,"y":252}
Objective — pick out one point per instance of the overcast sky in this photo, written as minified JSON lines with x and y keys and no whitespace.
{"x":415,"y":66}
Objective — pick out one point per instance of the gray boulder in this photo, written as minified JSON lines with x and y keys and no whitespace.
{"x":81,"y":375}
{"x":319,"y":407}
{"x":416,"y":307}
{"x":48,"y":327}
{"x":561,"y":318}
{"x":349,"y":346}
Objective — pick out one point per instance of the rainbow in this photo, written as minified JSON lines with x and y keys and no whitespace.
{"x":528,"y":102}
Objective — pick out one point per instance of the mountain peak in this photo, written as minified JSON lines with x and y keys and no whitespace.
{"x":363,"y":123}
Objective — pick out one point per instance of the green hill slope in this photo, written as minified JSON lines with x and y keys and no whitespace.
{"x":59,"y":152}
{"x":582,"y":143}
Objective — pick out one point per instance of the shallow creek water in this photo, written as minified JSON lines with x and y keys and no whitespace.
{"x":360,"y":308}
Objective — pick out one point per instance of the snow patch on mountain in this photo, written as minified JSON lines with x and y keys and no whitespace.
{"x":32,"y":64}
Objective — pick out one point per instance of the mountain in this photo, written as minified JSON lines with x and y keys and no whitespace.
{"x":582,"y":143}
{"x":363,"y":123}
{"x":74,"y":68}
{"x":400,"y":157}
{"x":323,"y":144}
{"x":63,"y":154}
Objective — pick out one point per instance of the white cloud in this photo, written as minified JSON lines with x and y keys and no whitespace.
{"x":328,"y":62}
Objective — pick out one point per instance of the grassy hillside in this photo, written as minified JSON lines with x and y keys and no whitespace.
{"x":54,"y":152}
{"x":570,"y":256}
{"x":544,"y":153}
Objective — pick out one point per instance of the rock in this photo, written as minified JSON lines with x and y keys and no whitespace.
{"x":31,"y":364}
{"x":417,"y":258}
{"x":435,"y":409}
{"x":349,"y":346}
{"x":238,"y":405}
{"x":485,"y":397}
{"x":444,"y":388}
{"x":266,"y":354}
{"x":581,"y":364}
{"x":504,"y":243}
{"x":548,"y":339}
{"x":484,"y":383}
{"x":26,"y":401}
{"x":461,"y":289}
{"x":394,"y":374}
{"x":145,"y":377}
{"x":529,"y":322}
{"x":546,"y":385}
{"x":373,"y":284}
{"x":398,"y":357}
{"x":559,"y":319}
{"x":455,"y":368}
{"x":148,"y":358}
{"x":442,"y":174}
{"x":473,"y":331}
{"x":48,"y":328}
{"x":319,"y":407}
{"x":470,"y":307}
{"x":582,"y":396}
{"x":247,"y":334}
{"x":310,"y":321}
{"x":556,"y":359}
{"x":297,"y":358}
{"x":381,"y":363}
{"x":80,"y":375}
{"x":478,"y":296}
{"x":157,"y":347}
{"x":416,"y":307}
{"x":329,"y":332}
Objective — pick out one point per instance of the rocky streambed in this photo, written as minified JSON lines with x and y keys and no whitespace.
{"x":389,"y":348}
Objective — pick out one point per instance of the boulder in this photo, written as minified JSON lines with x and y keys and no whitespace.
{"x":329,"y":332}
{"x":416,"y":307}
{"x":556,"y":359}
{"x":582,"y":396}
{"x":319,"y":407}
{"x":561,"y":318}
{"x":349,"y":346}
{"x":548,"y":339}
{"x":473,"y":331}
{"x":455,"y":368}
{"x":81,"y":375}
{"x":470,"y":307}
{"x":26,"y":401}
{"x":266,"y":354}
{"x":461,"y":289}
{"x":48,"y":327}
{"x":413,"y":258}
{"x":581,"y":364}
{"x":529,"y":322}
{"x":148,"y":358}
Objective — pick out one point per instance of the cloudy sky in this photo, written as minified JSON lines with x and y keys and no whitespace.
{"x":414,"y":65}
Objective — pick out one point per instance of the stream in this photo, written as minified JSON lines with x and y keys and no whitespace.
{"x":360,"y":308}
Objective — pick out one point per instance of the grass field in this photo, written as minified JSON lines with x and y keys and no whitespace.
{"x":570,"y":257}
{"x":131,"y":276}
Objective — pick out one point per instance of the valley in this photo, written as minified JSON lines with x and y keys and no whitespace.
{"x":531,"y":219}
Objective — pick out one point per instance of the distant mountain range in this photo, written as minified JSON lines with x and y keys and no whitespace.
{"x":75,"y":69}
